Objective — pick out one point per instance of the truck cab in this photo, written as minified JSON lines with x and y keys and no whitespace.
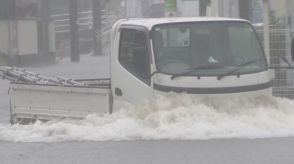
{"x":199,"y":56}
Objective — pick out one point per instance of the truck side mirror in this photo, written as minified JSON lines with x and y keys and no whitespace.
{"x":292,"y":49}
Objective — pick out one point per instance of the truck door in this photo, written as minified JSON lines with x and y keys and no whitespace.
{"x":131,"y":81}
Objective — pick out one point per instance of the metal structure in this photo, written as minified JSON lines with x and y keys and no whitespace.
{"x":62,"y":25}
{"x":20,"y":75}
{"x":280,"y":47}
{"x":279,"y":50}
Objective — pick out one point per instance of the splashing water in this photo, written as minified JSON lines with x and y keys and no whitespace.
{"x":180,"y":117}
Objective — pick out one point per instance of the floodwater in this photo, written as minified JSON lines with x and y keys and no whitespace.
{"x":171,"y":129}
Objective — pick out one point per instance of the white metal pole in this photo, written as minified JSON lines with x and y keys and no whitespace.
{"x":266,"y":36}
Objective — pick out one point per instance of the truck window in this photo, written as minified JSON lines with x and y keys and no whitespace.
{"x":209,"y":48}
{"x":243,"y":43}
{"x":175,"y":37}
{"x":133,"y":53}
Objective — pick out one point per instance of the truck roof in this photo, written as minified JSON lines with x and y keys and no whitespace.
{"x":150,"y":22}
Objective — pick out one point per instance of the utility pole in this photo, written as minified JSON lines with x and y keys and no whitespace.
{"x":97,"y":26}
{"x":244,"y":7}
{"x":74,"y":31}
{"x":44,"y":30}
{"x":266,"y":33}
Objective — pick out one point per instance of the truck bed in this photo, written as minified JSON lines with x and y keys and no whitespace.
{"x":47,"y":102}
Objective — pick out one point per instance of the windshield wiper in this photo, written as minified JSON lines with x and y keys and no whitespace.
{"x":237,"y":69}
{"x":195,"y":69}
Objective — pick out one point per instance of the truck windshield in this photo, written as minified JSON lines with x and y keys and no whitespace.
{"x":207,"y":49}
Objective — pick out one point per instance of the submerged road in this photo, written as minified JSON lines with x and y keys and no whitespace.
{"x":232,"y":151}
{"x":227,"y":151}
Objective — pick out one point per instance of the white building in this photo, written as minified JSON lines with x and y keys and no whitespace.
{"x":188,"y":8}
{"x":222,"y":8}
{"x":132,"y":8}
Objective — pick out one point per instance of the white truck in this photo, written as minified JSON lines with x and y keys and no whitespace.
{"x":150,"y":57}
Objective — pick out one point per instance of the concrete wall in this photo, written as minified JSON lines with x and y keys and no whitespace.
{"x":217,"y":8}
{"x":224,"y":8}
{"x":27,"y":32}
{"x":228,"y":8}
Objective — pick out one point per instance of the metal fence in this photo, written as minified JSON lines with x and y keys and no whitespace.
{"x":283,"y":84}
{"x":61,"y":21}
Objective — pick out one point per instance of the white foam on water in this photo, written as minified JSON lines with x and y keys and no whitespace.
{"x":181,"y":117}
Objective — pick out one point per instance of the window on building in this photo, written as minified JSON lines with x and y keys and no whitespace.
{"x":133,"y":54}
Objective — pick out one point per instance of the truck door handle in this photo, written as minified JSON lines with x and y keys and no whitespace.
{"x":118,"y":92}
